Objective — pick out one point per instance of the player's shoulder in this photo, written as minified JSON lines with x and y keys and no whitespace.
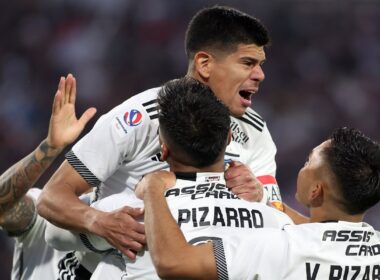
{"x":311,"y":231}
{"x":252,"y":120}
{"x":144,"y":103}
{"x":276,"y":214}
{"x":146,"y":97}
{"x":137,"y":113}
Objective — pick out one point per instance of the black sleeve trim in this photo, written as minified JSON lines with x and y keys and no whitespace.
{"x":220,"y":259}
{"x":88,"y":244}
{"x":82,"y":169}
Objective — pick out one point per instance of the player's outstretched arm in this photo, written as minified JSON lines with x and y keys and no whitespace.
{"x":60,"y":205}
{"x":59,"y":202}
{"x":67,"y":240}
{"x":172,"y":256}
{"x":16,"y":209}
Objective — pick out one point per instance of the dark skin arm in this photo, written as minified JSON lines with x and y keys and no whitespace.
{"x":16,"y":209}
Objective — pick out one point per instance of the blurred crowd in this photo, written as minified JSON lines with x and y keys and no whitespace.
{"x":322,"y":69}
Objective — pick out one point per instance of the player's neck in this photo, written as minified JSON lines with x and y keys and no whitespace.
{"x":179,"y":167}
{"x":320,"y":214}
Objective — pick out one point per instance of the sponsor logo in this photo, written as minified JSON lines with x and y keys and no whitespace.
{"x":212,"y":178}
{"x":215,"y":190}
{"x":119,"y":126}
{"x":238,"y":135}
{"x":133,"y":117}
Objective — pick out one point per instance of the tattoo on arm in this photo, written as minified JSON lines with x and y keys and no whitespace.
{"x":19,"y":218}
{"x":20,"y":177}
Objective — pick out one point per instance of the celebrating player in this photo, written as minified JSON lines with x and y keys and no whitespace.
{"x":194,"y":130}
{"x":225,"y":50}
{"x":339,"y":183}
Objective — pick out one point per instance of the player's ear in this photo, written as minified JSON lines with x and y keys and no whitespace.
{"x":164,"y":151}
{"x":316,"y":194}
{"x":202,"y":64}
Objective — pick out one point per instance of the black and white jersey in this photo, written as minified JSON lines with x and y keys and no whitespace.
{"x":205,"y":210}
{"x":123,"y":146}
{"x":33,"y":259}
{"x":315,"y":251}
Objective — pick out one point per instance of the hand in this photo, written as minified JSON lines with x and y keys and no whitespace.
{"x":121,"y":230}
{"x":64,"y":126}
{"x":159,"y":180}
{"x":241,"y":181}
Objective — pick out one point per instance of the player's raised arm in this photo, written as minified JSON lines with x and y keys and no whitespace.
{"x":59,"y":202}
{"x":172,"y":256}
{"x":75,"y":183}
{"x":16,"y":209}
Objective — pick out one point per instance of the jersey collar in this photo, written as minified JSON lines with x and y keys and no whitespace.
{"x":200,"y":176}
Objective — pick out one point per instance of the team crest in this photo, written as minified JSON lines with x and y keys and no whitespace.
{"x":133,"y":117}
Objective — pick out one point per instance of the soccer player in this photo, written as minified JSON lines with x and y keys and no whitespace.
{"x":194,"y":130}
{"x":339,"y":182}
{"x":225,"y":50}
{"x":33,"y":259}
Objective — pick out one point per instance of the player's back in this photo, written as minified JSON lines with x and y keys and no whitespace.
{"x":333,"y":250}
{"x":316,"y":251}
{"x":205,"y":209}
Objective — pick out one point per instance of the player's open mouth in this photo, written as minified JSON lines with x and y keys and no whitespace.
{"x":246,"y":94}
{"x":246,"y":97}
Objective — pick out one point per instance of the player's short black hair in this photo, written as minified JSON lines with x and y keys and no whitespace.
{"x":193,"y":121}
{"x":355,"y":161}
{"x":221,"y":28}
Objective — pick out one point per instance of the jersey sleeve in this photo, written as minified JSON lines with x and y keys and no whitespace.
{"x":92,"y":242}
{"x":117,"y":136}
{"x":64,"y":240}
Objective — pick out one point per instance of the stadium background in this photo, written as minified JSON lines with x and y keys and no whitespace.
{"x":322,"y":70}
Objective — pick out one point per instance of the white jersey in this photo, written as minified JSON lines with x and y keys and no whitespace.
{"x":315,"y":251}
{"x":33,"y":259}
{"x":205,"y":209}
{"x":124,"y":145}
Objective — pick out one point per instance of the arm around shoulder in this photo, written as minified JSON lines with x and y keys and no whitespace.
{"x":172,"y":256}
